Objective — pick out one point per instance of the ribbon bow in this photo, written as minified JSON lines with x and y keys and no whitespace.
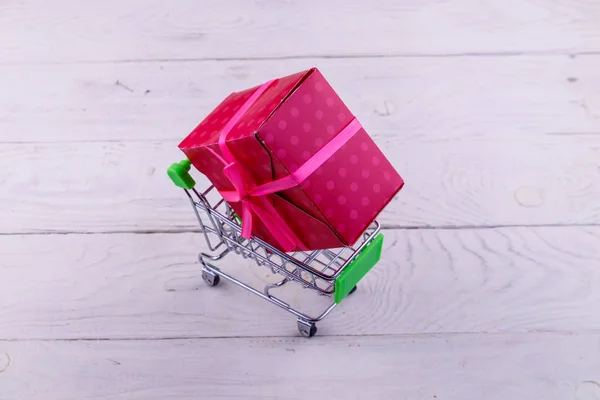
{"x":253,"y":198}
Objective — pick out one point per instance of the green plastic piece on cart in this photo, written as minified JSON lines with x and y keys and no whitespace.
{"x":180,"y":174}
{"x":354,"y":272}
{"x":237,"y":218}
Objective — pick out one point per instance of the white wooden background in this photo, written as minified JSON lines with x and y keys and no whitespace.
{"x":489,"y":286}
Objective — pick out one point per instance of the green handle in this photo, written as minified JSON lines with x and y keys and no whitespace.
{"x":180,"y":174}
{"x":353,"y":273}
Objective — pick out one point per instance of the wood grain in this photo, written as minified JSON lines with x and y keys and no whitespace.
{"x":418,"y":99}
{"x":490,"y":111}
{"x":68,"y":30}
{"x":122,"y":186}
{"x":429,"y":281}
{"x":537,"y":366}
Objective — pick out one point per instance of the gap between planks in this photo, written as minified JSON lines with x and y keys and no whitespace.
{"x":531,"y":53}
{"x":389,"y":227}
{"x":403,"y":336}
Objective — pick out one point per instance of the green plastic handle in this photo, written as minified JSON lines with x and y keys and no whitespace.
{"x":353,"y":273}
{"x":180,"y":174}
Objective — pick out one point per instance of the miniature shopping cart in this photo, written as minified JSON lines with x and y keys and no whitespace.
{"x":333,"y":272}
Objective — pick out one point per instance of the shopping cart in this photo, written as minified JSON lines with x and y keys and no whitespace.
{"x":332,"y":272}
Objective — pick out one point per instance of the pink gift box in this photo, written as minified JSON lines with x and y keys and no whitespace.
{"x":276,"y":130}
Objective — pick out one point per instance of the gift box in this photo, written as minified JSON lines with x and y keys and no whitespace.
{"x":294,"y":163}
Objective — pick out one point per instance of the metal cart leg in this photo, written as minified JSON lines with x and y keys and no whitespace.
{"x":210,"y":278}
{"x":306,"y":324}
{"x":306,"y":328}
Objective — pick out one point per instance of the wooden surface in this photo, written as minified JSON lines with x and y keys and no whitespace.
{"x":127,"y":286}
{"x":414,"y":99}
{"x":450,"y":366}
{"x":133,"y":30}
{"x":489,"y":284}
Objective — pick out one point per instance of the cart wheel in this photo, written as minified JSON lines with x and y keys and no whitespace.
{"x":307,"y":329}
{"x":353,"y":289}
{"x":210,"y":278}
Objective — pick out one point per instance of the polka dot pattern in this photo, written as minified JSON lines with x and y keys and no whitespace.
{"x":346,"y":192}
{"x":208,"y":131}
{"x":350,"y":187}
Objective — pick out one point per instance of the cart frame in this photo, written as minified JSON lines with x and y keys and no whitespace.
{"x":329,"y":272}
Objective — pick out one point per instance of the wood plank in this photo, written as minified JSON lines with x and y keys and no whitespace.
{"x":418,"y":99}
{"x":68,"y":30}
{"x":429,"y":281}
{"x":122,"y":186}
{"x":538,"y":366}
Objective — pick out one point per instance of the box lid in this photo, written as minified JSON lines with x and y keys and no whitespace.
{"x":209,"y":130}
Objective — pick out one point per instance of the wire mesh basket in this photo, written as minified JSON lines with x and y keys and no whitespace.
{"x":333,"y":273}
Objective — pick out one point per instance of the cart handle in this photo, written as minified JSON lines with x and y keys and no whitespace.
{"x":358,"y":268}
{"x":180,"y":174}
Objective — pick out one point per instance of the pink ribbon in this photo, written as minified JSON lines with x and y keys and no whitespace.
{"x":253,"y":198}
